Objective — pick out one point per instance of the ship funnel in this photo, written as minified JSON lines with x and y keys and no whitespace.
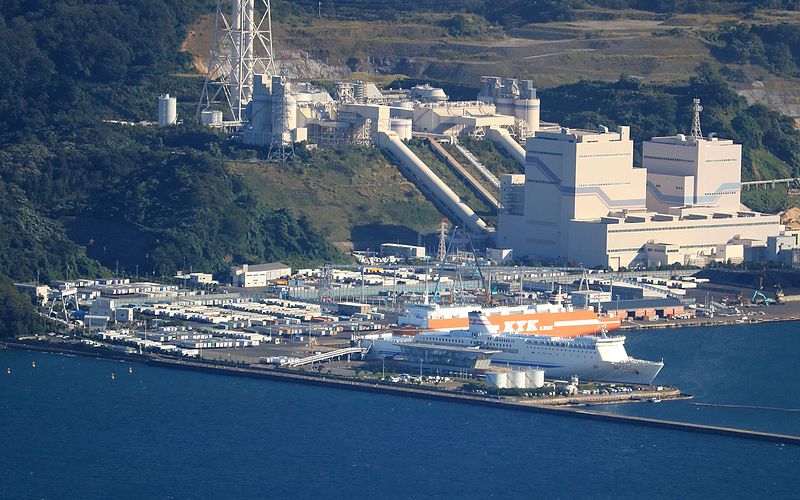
{"x":479,"y":324}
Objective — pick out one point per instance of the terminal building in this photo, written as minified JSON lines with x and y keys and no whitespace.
{"x":582,"y":201}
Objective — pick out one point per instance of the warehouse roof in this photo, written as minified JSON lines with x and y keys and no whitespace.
{"x":273,"y":266}
{"x":641,"y":304}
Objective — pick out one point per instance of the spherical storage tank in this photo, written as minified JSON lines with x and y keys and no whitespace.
{"x":402,"y":127}
{"x":167,"y":111}
{"x":535,"y":378}
{"x":497,"y":379}
{"x":518,"y":380}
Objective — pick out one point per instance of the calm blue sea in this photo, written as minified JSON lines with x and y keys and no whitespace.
{"x":68,"y":430}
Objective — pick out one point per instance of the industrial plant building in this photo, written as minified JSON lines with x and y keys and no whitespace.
{"x":582,"y":200}
{"x":402,"y":251}
{"x":258,"y":275}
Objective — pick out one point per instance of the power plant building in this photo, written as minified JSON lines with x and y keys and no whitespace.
{"x":583,"y":201}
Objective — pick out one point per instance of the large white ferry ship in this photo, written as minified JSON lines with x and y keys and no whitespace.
{"x":597,"y":357}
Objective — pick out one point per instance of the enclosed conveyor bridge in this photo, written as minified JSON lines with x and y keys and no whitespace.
{"x":431,"y":184}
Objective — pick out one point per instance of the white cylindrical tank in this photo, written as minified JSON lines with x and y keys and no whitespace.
{"x":518,"y":380}
{"x":535,"y":378}
{"x":528,"y":110}
{"x":402,"y":127}
{"x":497,"y":379}
{"x":167,"y":110}
{"x":211,"y":117}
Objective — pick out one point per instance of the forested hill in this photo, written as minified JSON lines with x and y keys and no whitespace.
{"x":136,"y":197}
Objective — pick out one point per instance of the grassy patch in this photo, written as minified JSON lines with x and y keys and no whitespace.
{"x":351,"y":195}
{"x":487,"y":153}
{"x":460,"y":187}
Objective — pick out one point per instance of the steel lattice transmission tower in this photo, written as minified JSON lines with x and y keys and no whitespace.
{"x":241,"y":47}
{"x":697,"y":133}
{"x":441,"y":255}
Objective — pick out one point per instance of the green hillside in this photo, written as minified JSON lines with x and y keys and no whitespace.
{"x":351,"y":195}
{"x":134,"y":198}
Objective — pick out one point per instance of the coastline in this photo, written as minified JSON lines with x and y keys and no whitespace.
{"x":704,"y":322}
{"x":417,"y":392}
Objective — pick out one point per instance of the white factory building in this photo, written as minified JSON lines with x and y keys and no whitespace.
{"x":581,"y":200}
{"x":402,"y":251}
{"x":249,"y":276}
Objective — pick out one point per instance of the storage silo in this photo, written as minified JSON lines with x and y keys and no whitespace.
{"x":504,"y":106}
{"x":167,"y":110}
{"x":504,"y":101}
{"x":535,"y":378}
{"x":402,"y":127}
{"x":527,"y":106}
{"x":211,"y":117}
{"x":518,"y":380}
{"x":497,"y":379}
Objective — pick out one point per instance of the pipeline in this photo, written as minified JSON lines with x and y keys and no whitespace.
{"x":512,"y":147}
{"x":391,"y":142}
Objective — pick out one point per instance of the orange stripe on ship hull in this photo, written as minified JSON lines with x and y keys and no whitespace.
{"x":558,"y":324}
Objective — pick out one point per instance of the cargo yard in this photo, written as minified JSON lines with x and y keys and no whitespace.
{"x":405,"y":337}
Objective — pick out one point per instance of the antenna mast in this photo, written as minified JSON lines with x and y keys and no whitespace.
{"x":697,"y":133}
{"x":241,"y":47}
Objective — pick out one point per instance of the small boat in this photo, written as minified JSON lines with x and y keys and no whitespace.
{"x":130,"y":369}
{"x":9,"y":371}
{"x":33,"y":364}
{"x":113,"y":376}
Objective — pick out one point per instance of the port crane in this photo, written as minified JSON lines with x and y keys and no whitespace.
{"x":486,"y":286}
{"x":441,"y":265}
